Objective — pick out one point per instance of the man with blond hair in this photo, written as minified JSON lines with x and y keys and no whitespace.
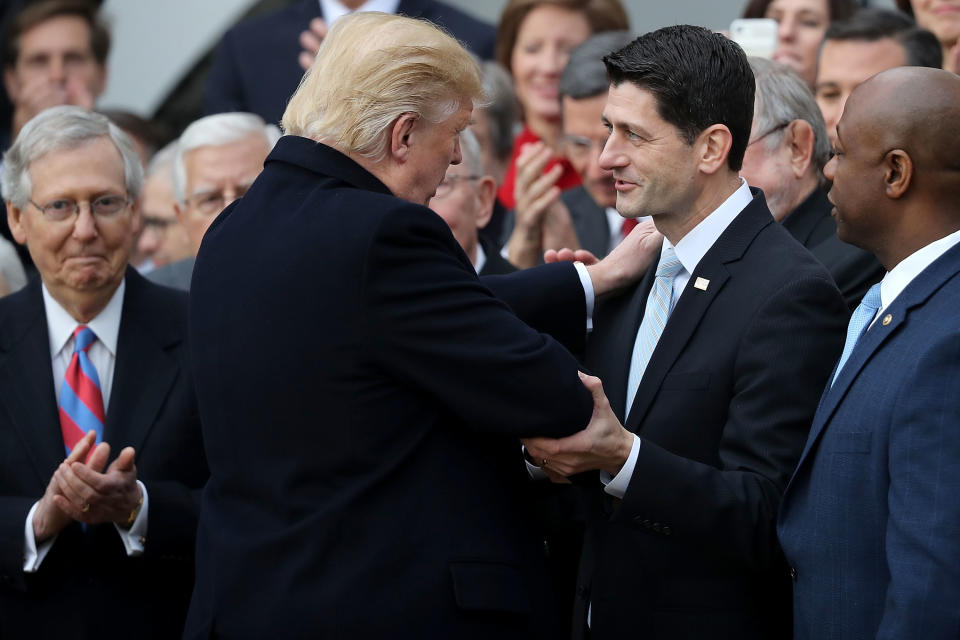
{"x":362,"y":391}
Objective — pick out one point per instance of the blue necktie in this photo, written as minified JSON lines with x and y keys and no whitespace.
{"x":659,"y":305}
{"x":862,"y":317}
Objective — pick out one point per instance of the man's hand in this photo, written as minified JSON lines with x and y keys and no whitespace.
{"x":310,"y":41}
{"x":603,"y":444}
{"x":49,"y":519}
{"x":92,"y":496}
{"x":628,"y":261}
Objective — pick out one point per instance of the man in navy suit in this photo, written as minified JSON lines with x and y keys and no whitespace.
{"x":362,"y":391}
{"x":870,"y":522}
{"x":259,"y":63}
{"x":99,"y":545}
{"x":713,"y":362}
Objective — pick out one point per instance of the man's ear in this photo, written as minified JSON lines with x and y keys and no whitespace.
{"x":400,"y":134}
{"x":136,"y":220}
{"x":897,"y":173}
{"x":15,"y":222}
{"x":486,"y":197}
{"x":713,"y":146}
{"x":799,"y":136}
{"x":181,"y":211}
{"x":11,"y":84}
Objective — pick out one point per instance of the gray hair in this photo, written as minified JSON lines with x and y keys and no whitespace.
{"x":55,"y":129}
{"x":501,"y":107}
{"x":585,"y":75}
{"x":470,"y":150}
{"x":162,"y":162}
{"x":781,"y":98}
{"x":214,"y":131}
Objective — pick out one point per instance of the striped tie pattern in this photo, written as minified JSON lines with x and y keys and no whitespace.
{"x":659,"y":305}
{"x":859,"y":321}
{"x":81,"y":402}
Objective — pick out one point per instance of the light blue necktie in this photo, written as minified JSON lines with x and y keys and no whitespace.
{"x":859,"y":321}
{"x":659,"y":305}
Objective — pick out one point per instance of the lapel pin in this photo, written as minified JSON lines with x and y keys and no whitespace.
{"x":702,"y":284}
{"x":887,"y":319}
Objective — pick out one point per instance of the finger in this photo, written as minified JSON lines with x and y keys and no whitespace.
{"x":79,"y":451}
{"x":584,"y":256}
{"x":70,"y":509}
{"x":310,"y":42}
{"x":98,"y":459}
{"x":530,"y":165}
{"x":551,"y":255}
{"x":536,"y":178}
{"x":541,"y":204}
{"x":319,"y":28}
{"x":71,"y":487}
{"x":124,"y":461}
{"x":305,"y":60}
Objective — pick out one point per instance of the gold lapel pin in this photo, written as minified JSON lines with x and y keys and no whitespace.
{"x":702,"y":284}
{"x":887,"y":319}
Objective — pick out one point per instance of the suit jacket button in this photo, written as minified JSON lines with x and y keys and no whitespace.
{"x":793,"y":573}
{"x":667,"y":531}
{"x":657,"y":527}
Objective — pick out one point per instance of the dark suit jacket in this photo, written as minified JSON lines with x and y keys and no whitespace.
{"x":853,"y":269}
{"x":495,"y":265}
{"x":870,"y":520}
{"x":255,"y":67}
{"x":722,"y":411}
{"x":87,"y":587}
{"x":349,"y":352}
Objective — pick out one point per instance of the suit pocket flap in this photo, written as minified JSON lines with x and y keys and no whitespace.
{"x":489,"y":586}
{"x":686,"y":381}
{"x":852,"y":442}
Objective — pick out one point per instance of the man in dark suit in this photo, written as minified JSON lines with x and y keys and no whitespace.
{"x":345,"y":346}
{"x":465,"y":201}
{"x":785,"y":157}
{"x":713,"y":362}
{"x":94,"y":365}
{"x":256,"y":66}
{"x":869,"y":521}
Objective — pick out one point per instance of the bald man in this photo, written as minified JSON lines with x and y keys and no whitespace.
{"x":870,"y":522}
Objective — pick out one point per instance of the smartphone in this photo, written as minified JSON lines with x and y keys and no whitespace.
{"x":757,"y":36}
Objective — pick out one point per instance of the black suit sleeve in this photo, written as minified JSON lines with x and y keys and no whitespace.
{"x":432,"y":322}
{"x":224,"y":91}
{"x":784,"y":358}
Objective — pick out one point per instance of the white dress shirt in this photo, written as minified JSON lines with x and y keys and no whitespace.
{"x":690,"y":250}
{"x":333,"y":10}
{"x":103,"y":356}
{"x":896,"y":280}
{"x":615,"y":224}
{"x":481,"y":259}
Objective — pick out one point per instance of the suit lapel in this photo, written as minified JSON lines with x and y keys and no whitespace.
{"x":141,"y":355}
{"x":694,"y":302}
{"x":889,"y":322}
{"x":26,"y":375}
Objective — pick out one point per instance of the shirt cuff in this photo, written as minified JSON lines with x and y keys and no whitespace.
{"x":618,"y":484}
{"x":588,"y":293}
{"x":135,"y":537}
{"x":535,"y":472}
{"x":32,"y":554}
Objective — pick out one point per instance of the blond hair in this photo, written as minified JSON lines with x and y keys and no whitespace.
{"x":372,"y":68}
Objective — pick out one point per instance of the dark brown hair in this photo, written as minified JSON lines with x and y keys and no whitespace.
{"x":602,"y":15}
{"x":838,"y":9}
{"x":35,"y":13}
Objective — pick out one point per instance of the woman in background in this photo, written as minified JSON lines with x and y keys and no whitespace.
{"x":802,"y":25}
{"x":534,"y":41}
{"x":942,"y":17}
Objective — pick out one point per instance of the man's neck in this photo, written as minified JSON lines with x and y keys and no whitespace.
{"x":83,"y":307}
{"x":714,"y":194}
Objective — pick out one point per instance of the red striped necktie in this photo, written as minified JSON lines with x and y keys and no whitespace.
{"x":629,"y":224}
{"x":81,"y":402}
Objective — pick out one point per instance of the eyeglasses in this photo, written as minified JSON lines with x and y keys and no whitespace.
{"x":157,"y":225}
{"x":769,"y":131}
{"x":211,"y":202}
{"x":104,"y":207}
{"x":449,"y":183}
{"x":579,"y":146}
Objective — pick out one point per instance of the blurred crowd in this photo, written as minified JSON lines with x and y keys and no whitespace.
{"x":104,"y":206}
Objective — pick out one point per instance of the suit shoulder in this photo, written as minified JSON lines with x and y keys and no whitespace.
{"x":284,"y":19}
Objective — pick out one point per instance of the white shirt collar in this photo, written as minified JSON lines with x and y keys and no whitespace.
{"x":481,"y":258}
{"x":333,"y":10}
{"x":692,"y":247}
{"x":106,"y":324}
{"x":896,"y":280}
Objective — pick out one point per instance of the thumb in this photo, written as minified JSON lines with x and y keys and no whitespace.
{"x":124,"y":461}
{"x":593,"y":385}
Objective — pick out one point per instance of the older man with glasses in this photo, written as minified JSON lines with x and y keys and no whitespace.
{"x":217,"y":159}
{"x":93,"y":368}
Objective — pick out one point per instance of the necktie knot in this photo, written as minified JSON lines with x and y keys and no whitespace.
{"x":669,"y":265}
{"x":83,"y":337}
{"x":871,"y":301}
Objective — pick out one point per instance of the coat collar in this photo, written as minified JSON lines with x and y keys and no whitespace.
{"x":319,"y":158}
{"x":802,"y":221}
